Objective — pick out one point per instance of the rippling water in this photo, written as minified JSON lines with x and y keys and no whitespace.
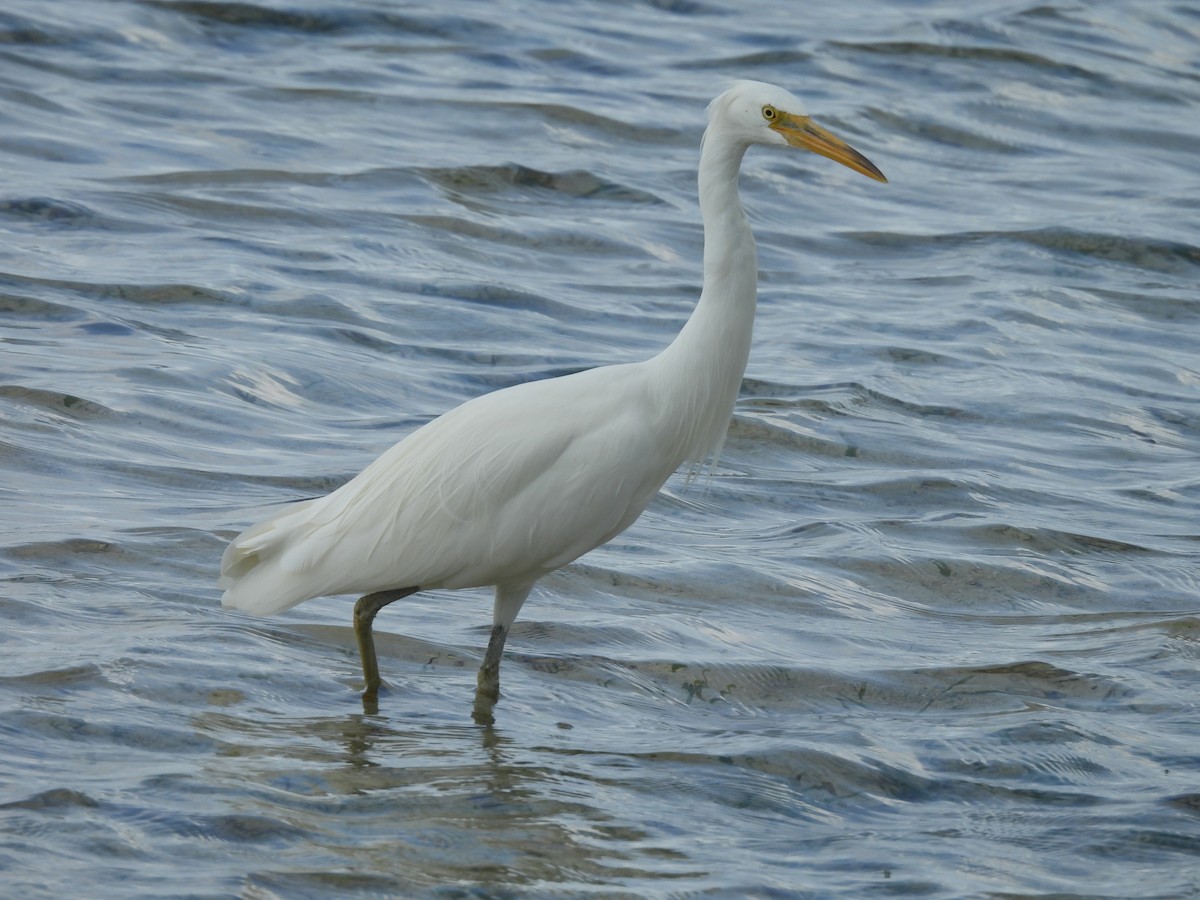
{"x":931,"y":628}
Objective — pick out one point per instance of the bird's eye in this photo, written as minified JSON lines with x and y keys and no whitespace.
{"x":769,"y":113}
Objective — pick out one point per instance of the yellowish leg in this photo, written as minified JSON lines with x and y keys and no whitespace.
{"x":489,"y":673}
{"x":365,"y":611}
{"x":487,"y":691}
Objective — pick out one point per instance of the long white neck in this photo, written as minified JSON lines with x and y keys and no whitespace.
{"x":701,"y":371}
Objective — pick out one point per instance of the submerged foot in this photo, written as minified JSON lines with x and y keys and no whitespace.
{"x":485,"y":702}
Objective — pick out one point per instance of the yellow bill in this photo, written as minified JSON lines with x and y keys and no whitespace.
{"x":803,"y":132}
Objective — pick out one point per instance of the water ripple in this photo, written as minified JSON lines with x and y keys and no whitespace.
{"x":928,"y":627}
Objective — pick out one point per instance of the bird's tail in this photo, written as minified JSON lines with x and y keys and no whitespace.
{"x":252,"y":575}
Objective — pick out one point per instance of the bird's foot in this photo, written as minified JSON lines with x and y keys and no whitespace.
{"x":370,"y":697}
{"x":485,"y":702}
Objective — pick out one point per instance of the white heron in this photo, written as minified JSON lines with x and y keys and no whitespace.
{"x":514,"y":484}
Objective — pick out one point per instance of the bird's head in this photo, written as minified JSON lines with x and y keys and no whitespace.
{"x":760,"y":113}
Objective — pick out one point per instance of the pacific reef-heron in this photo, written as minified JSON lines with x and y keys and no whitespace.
{"x":516,"y":483}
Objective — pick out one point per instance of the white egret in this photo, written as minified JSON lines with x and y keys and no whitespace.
{"x":514,"y":484}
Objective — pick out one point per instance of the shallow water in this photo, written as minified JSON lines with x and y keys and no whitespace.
{"x":931,"y":627}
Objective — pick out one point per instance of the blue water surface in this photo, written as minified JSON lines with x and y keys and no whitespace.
{"x":931,"y":626}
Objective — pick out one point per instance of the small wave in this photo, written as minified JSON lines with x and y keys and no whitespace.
{"x":596,"y":123}
{"x":999,"y":55}
{"x":156,"y":294}
{"x":54,"y":799}
{"x":79,"y":676}
{"x":1048,"y":541}
{"x":48,"y":210}
{"x":45,"y":149}
{"x":972,"y":686}
{"x":574,"y":184}
{"x":52,"y":550}
{"x":240,"y":16}
{"x":1140,"y":252}
{"x":55,"y":401}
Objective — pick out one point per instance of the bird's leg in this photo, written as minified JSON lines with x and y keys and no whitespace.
{"x":509,"y":597}
{"x":364,"y":615}
{"x":487,"y":691}
{"x":489,"y":673}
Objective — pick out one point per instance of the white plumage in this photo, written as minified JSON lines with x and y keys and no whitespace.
{"x":516,"y":483}
{"x":486,"y":493}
